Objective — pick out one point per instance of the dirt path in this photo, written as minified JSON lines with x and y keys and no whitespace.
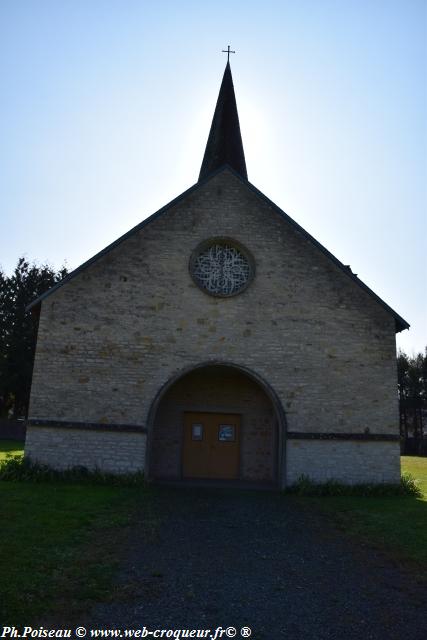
{"x":207,"y":558}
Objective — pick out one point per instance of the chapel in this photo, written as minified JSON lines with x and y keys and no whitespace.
{"x":217,"y":342}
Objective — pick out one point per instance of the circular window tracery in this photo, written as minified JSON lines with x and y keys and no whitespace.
{"x":221,"y":267}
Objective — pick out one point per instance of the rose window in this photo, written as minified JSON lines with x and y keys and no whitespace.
{"x":221,"y":268}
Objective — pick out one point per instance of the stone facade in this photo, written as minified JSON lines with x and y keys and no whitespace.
{"x":107,"y":451}
{"x":114,"y":335}
{"x":345,"y":461}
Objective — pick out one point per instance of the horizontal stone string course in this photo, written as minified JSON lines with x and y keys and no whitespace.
{"x":291,"y":435}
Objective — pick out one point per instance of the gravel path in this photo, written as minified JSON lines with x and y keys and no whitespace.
{"x":203,"y":558}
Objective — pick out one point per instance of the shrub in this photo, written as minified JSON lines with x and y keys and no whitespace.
{"x":307,"y":487}
{"x":13,"y":468}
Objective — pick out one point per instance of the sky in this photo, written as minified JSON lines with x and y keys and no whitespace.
{"x":106,"y":108}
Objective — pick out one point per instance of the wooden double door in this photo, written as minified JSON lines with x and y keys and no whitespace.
{"x":211,"y":446}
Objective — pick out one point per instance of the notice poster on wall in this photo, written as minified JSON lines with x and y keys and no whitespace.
{"x":226,"y":433}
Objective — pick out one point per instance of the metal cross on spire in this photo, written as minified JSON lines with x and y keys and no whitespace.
{"x":228,"y":51}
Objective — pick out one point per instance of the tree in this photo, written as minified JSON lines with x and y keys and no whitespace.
{"x":403,"y":389}
{"x":18,"y":331}
{"x":412,"y":386}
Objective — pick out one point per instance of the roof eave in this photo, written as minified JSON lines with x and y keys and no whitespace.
{"x":129,"y":233}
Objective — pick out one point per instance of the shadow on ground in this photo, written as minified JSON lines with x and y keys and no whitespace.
{"x":203,"y":558}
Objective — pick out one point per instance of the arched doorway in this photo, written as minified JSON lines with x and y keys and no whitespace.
{"x":217,"y":422}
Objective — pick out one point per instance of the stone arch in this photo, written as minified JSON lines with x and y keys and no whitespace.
{"x":187,"y":391}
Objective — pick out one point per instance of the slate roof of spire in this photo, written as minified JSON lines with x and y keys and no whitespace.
{"x":224,"y":144}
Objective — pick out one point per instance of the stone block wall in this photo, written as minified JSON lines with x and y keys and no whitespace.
{"x":63,"y":448}
{"x":346,"y":461}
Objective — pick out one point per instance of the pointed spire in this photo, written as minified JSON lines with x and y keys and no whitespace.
{"x":224,"y":144}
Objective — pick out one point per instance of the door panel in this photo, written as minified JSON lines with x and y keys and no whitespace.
{"x":211,"y":445}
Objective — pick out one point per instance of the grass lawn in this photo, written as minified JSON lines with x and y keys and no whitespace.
{"x":397,"y":524}
{"x":417,"y":467}
{"x":60,"y":542}
{"x":59,"y":545}
{"x":11,"y":447}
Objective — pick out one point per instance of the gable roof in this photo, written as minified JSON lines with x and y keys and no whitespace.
{"x":401,"y":324}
